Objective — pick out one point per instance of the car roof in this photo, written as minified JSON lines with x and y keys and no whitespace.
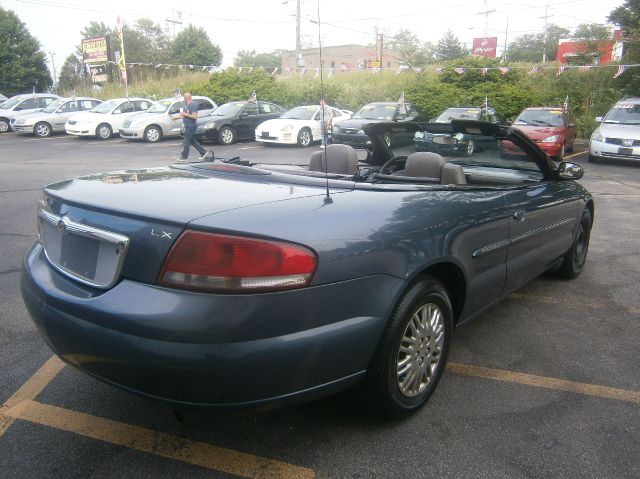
{"x":383,"y":103}
{"x":172,"y":98}
{"x":70,"y":98}
{"x":543,"y":108}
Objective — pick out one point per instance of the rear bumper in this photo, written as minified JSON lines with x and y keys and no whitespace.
{"x":211,"y":350}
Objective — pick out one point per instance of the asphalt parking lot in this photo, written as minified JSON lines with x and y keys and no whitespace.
{"x":545,"y":384}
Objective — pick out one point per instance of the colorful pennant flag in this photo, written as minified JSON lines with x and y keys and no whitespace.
{"x":584,"y":68}
{"x":504,"y":70}
{"x":561,"y":70}
{"x":533,"y":71}
{"x":253,"y":98}
{"x":459,"y":70}
{"x":401,"y":100}
{"x":438,"y":70}
{"x":620,"y":71}
{"x":484,"y":71}
{"x":401,"y":68}
{"x":417,"y":69}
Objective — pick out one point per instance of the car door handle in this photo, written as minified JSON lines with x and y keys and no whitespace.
{"x":519,"y":216}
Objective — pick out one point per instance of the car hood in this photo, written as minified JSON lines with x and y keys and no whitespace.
{"x":357,"y":122}
{"x":147,"y":116}
{"x":539,"y":132}
{"x":618,"y":130}
{"x":205,"y":119}
{"x":177,"y":194}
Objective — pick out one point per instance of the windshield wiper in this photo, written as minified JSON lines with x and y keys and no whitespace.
{"x":540,"y":122}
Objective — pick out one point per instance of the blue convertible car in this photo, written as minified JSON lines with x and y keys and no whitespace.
{"x":243,"y":286}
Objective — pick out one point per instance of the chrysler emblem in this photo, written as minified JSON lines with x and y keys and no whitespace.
{"x":627,"y":142}
{"x":62,"y":227}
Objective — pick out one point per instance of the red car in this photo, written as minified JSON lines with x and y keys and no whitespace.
{"x":552,"y":128}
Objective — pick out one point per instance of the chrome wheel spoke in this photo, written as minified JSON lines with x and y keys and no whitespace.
{"x":420,"y":350}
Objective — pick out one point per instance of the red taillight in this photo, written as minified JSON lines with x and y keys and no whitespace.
{"x":215,"y":262}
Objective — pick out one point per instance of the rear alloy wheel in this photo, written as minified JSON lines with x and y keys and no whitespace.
{"x":305,"y":138}
{"x":42,"y":129}
{"x":574,"y":259}
{"x":227,"y":136}
{"x":104,"y":131}
{"x":4,"y":125}
{"x":152,"y":134}
{"x":411,"y":355}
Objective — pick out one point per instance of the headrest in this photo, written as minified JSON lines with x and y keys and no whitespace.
{"x":340,"y":159}
{"x":424,"y":164}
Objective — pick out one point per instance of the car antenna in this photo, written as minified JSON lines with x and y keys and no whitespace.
{"x":323,"y":127}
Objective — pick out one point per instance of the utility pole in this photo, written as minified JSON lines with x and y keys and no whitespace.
{"x":174,"y":22}
{"x":544,"y":41}
{"x":486,"y":14}
{"x":53,"y":67}
{"x":298,"y":54}
{"x":506,"y":35}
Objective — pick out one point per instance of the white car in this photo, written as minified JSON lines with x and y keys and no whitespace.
{"x":618,"y":136}
{"x":53,"y":117}
{"x":19,"y":104}
{"x":301,"y":126}
{"x":156,"y":123}
{"x":106,"y":118}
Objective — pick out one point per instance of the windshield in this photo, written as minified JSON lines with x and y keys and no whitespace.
{"x":53,"y":106}
{"x":106,"y":107}
{"x":627,"y":113}
{"x":471,"y":151}
{"x":540,"y":118}
{"x":229,"y":109}
{"x":458,"y":114}
{"x":376,"y":112}
{"x":11,"y":102}
{"x":159,"y":107}
{"x":301,"y":113}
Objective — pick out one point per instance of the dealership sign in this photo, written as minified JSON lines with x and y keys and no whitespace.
{"x":98,"y":73}
{"x":95,"y":50}
{"x":485,"y":47}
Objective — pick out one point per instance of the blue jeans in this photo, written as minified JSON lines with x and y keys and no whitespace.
{"x":190,"y":139}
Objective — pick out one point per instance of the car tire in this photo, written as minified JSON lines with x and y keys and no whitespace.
{"x":152,"y":134}
{"x":226,"y":136}
{"x":386,"y":136}
{"x":561,"y":155}
{"x":42,"y":129}
{"x":574,"y":259}
{"x":104,"y":131}
{"x":595,"y":159}
{"x":411,"y":355}
{"x":4,"y":125}
{"x":305,"y":137}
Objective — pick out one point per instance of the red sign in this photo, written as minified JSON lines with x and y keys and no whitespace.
{"x":485,"y":47}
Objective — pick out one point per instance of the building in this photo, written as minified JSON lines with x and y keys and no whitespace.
{"x":342,"y":57}
{"x":577,"y":52}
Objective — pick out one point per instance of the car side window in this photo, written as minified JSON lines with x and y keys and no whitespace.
{"x":141,"y":106}
{"x":265,"y":108}
{"x":316,"y":117}
{"x":69,"y":106}
{"x":251,"y":109}
{"x":175,"y":108}
{"x":27,"y":104}
{"x":204,"y":104}
{"x":87,"y":104}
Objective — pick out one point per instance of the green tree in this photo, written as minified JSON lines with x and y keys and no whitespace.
{"x":412,"y":51}
{"x":72,"y":74}
{"x":24,"y":64}
{"x":146,"y":42}
{"x":449,"y":47}
{"x":246,"y":58}
{"x":530,"y":47}
{"x":627,"y":17}
{"x":192,"y":46}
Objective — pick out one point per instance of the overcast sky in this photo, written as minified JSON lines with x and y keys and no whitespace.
{"x":266,"y":25}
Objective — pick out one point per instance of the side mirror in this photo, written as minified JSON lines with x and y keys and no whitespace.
{"x":569,"y":171}
{"x":244,"y":114}
{"x":599,"y":119}
{"x":117,"y":112}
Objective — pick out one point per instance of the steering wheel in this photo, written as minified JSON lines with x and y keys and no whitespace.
{"x":387,"y":168}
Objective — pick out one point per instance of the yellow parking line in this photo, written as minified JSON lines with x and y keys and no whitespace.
{"x":31,"y":388}
{"x":545,"y":382}
{"x":574,"y":154}
{"x":153,"y":442}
